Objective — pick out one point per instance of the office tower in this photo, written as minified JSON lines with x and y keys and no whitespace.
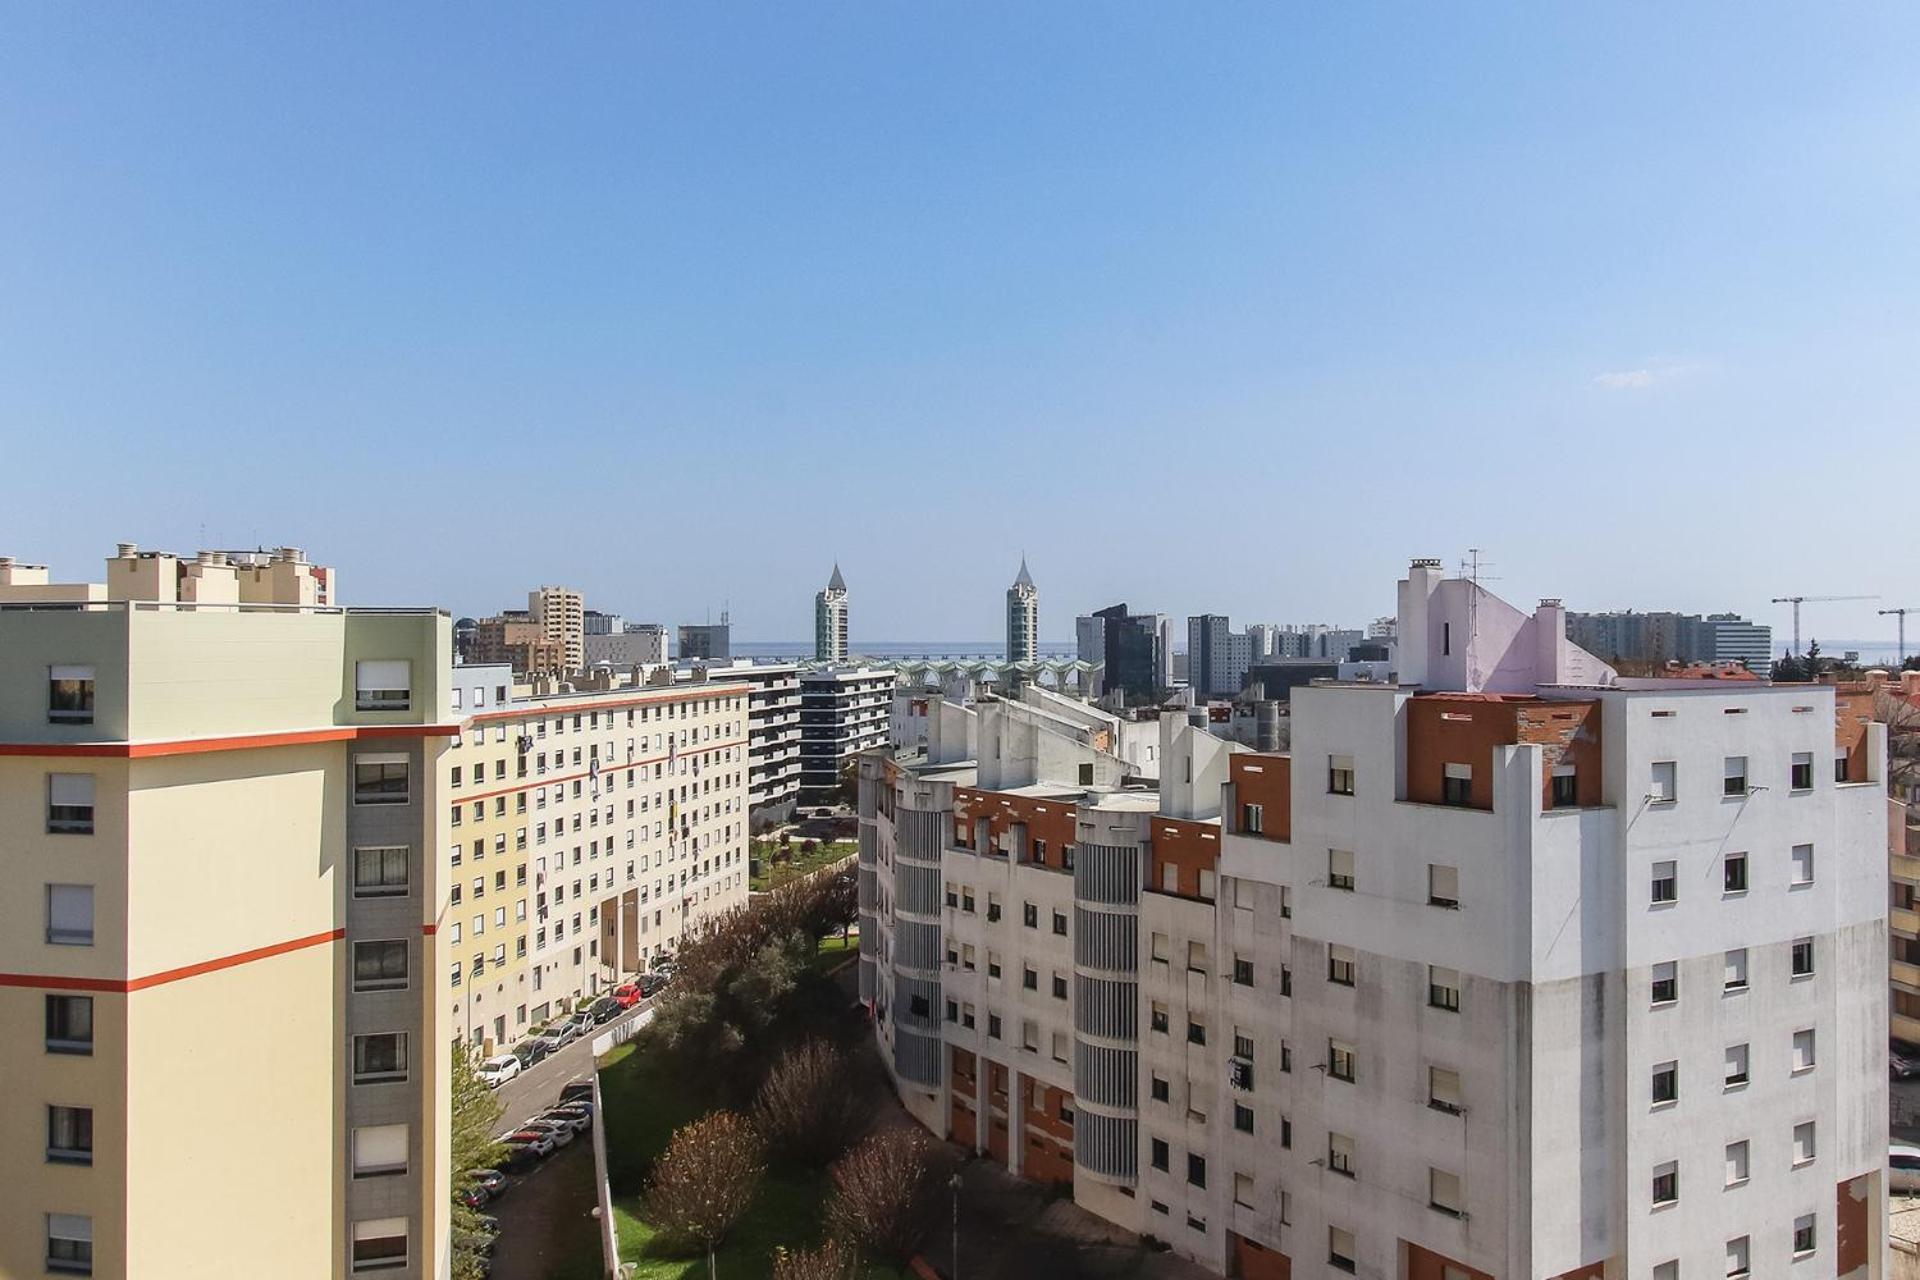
{"x":1023,"y":618}
{"x":559,"y":613}
{"x":1138,"y":652}
{"x":706,"y":641}
{"x":830,"y":620}
{"x":1217,"y":656}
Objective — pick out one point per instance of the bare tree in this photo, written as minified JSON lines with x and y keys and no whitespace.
{"x":1902,"y":719}
{"x":886,"y":1192}
{"x":831,"y":1261}
{"x":704,"y":1182}
{"x":809,"y":1106}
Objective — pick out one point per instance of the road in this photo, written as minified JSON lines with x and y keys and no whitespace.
{"x":536,"y":1089}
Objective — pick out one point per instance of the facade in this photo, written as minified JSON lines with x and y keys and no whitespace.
{"x":1512,"y":969}
{"x":1090,"y":647}
{"x":706,"y":642}
{"x":1136,"y":651}
{"x":639,"y":644}
{"x":595,"y":623}
{"x":773,"y":733}
{"x":1217,"y":656}
{"x":588,"y":831}
{"x":830,"y":620}
{"x":516,"y":640}
{"x":1896,"y":699}
{"x":224,"y":809}
{"x":1023,"y":618}
{"x":843,"y":711}
{"x":1661,"y":637}
{"x":560,"y":613}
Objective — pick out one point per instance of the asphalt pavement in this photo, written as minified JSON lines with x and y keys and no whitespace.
{"x":538,"y":1087}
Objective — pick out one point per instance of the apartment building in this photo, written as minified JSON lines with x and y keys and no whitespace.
{"x":1514,"y":968}
{"x":1895,"y":699}
{"x":1665,"y":636}
{"x":638,"y":644}
{"x":773,"y":733}
{"x":1217,"y":656}
{"x":560,"y":613}
{"x":1023,"y":617}
{"x":843,"y":711}
{"x":223,"y":799}
{"x":588,"y":831}
{"x":830,"y":620}
{"x":514,"y":639}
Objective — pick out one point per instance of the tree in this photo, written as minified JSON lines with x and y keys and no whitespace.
{"x":1902,"y":719}
{"x":886,"y":1192}
{"x":475,"y":1112}
{"x":809,"y":1106}
{"x":831,"y":1261}
{"x":704,"y":1182}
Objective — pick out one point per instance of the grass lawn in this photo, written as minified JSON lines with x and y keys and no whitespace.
{"x":772,"y":877}
{"x":836,"y":950}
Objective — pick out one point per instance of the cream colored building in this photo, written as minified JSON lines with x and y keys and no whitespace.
{"x":223,"y":801}
{"x":561,"y":613}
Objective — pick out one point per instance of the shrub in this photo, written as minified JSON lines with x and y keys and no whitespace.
{"x":809,"y":1108}
{"x":886,"y":1192}
{"x":704,"y":1182}
{"x":831,"y":1261}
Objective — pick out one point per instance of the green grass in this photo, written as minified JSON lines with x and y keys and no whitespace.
{"x":772,"y":876}
{"x":835,"y":951}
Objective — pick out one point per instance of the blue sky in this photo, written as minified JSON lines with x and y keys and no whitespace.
{"x":1228,"y":307}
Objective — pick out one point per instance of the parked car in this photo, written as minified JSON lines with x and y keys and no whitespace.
{"x":575,"y":1119}
{"x":559,"y":1131}
{"x":558,"y":1036}
{"x":605,"y":1009}
{"x":499,"y":1069}
{"x":628,"y":994}
{"x":539,"y":1141}
{"x":1903,"y":1169}
{"x":651,"y":984}
{"x":492,"y":1179}
{"x":582,"y":1021}
{"x":576,"y":1091}
{"x":1903,"y":1064}
{"x":530,"y":1052}
{"x":519,"y":1157}
{"x":474,"y":1197}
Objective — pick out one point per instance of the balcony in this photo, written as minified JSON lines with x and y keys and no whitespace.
{"x":1904,"y":975}
{"x":1904,"y":920}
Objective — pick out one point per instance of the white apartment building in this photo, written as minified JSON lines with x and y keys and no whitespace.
{"x":773,"y":732}
{"x":1512,"y":969}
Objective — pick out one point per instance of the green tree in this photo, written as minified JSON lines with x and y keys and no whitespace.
{"x":475,"y":1113}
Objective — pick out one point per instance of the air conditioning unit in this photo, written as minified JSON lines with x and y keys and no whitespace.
{"x":1240,"y":1073}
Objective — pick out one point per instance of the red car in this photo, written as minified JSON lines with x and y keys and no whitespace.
{"x":628,"y":994}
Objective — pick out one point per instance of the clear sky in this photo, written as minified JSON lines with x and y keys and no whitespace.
{"x":1228,"y":307}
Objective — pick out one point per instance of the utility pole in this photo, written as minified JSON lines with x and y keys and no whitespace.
{"x":1900,"y":615}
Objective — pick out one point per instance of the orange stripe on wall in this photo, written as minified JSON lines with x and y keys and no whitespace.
{"x":55,"y":982}
{"x":244,"y":742}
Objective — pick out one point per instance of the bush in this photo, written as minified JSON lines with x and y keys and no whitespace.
{"x":809,"y":1106}
{"x":831,"y":1261}
{"x":704,"y":1182}
{"x":886,"y":1192}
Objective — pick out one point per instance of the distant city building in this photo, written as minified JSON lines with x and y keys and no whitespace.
{"x":596,"y":623}
{"x":708,"y":641}
{"x":1663,"y":636}
{"x":638,"y":644}
{"x":513,"y":638}
{"x":843,"y":711}
{"x":1137,"y":650}
{"x":1090,"y":647}
{"x":1217,"y":656}
{"x":1263,"y":639}
{"x":1383,"y":629}
{"x":560,"y":613}
{"x":830,"y":620}
{"x":1023,"y":618}
{"x":773,"y":732}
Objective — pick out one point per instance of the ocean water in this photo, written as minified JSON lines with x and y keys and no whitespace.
{"x":896,"y":649}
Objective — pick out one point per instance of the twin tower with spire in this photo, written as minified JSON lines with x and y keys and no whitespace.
{"x":1023,"y":619}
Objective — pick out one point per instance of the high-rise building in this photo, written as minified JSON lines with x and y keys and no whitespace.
{"x":773,"y":733}
{"x":1023,"y":618}
{"x":1661,"y":637}
{"x":1217,"y":656}
{"x":1514,"y":968}
{"x":1137,"y":649}
{"x":706,"y":641}
{"x":637,"y":644}
{"x":225,"y":812}
{"x":514,"y":639}
{"x":830,"y":620}
{"x":843,"y":711}
{"x":560,"y":614}
{"x":595,"y":623}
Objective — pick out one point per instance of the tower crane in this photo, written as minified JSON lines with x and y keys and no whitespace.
{"x":1797,"y":601}
{"x":1901,"y":614}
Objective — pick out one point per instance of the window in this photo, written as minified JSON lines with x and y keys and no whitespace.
{"x":1340,"y":1154}
{"x":379,"y":1150}
{"x":70,"y":915}
{"x":382,"y":685}
{"x":1286,"y":1134}
{"x":380,"y":1057}
{"x":1665,"y":886}
{"x":1566,"y":788}
{"x":1059,"y":987}
{"x":1157,"y":1018}
{"x":380,"y":871}
{"x":1340,"y":775}
{"x":1443,"y":988}
{"x":1030,"y":978}
{"x":1252,"y":819}
{"x":1060,"y":923}
{"x":1243,"y":1190}
{"x":1839,"y":766}
{"x":1737,"y":1259}
{"x":1340,"y":1060}
{"x":1443,"y":1090}
{"x":1736,"y":1066}
{"x":70,"y":1244}
{"x":1340,"y":1248}
{"x":1160,"y":1154}
{"x":1456,"y":787}
{"x":1802,"y":771}
{"x":1803,"y":1050}
{"x":1242,"y":971}
{"x":1340,"y":869}
{"x":1666,"y":1183}
{"x":1664,"y":783}
{"x":1159,"y":1087}
{"x":1733,"y":873}
{"x":1801,"y":961}
{"x":70,"y":1024}
{"x":70,"y":1135}
{"x":1196,"y":1032}
{"x":1802,"y":865}
{"x":1803,"y":1235}
{"x":1286,"y":902}
{"x":1340,"y":965}
{"x":1736,"y":979}
{"x":1669,"y":1270}
{"x":70,"y":803}
{"x":1737,"y":1162}
{"x":1734,"y":781}
{"x":70,"y":695}
{"x":1443,"y":1193}
{"x":379,"y":779}
{"x":1803,"y":1144}
{"x":379,"y":966}
{"x":1196,"y":956}
{"x":380,"y":1244}
{"x":1242,"y":1117}
{"x":1666,"y":982}
{"x":993,"y":1026}
{"x":1666,"y":1083}
{"x":1030,"y":915}
{"x":1443,"y":885}
{"x":1196,"y":1170}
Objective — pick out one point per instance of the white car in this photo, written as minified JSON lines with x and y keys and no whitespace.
{"x":1903,"y":1170}
{"x":499,"y":1069}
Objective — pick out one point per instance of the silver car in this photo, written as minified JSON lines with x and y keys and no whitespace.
{"x":1903,"y":1170}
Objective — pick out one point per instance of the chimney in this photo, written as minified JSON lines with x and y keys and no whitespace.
{"x":1412,"y":625}
{"x":126,"y":550}
{"x":1550,"y":642}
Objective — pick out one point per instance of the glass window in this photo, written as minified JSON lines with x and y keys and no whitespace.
{"x":1665,"y":882}
{"x":380,"y":871}
{"x":1666,"y":1083}
{"x":1737,"y":1163}
{"x":70,"y":803}
{"x":1734,"y":781}
{"x":1736,"y":1059}
{"x":1443,"y":885}
{"x":1802,"y":958}
{"x":1666,"y":1183}
{"x":70,"y":1135}
{"x":1664,"y":782}
{"x":70,"y":1244}
{"x":70,"y":1024}
{"x":380,"y":1244}
{"x":1443,"y":988}
{"x":1666,"y":982}
{"x":380,"y":1057}
{"x":379,"y":966}
{"x":1733,"y":873}
{"x":1736,"y":971}
{"x":70,"y":695}
{"x":1456,"y":787}
{"x":382,"y":685}
{"x":1340,"y":869}
{"x":1802,"y":771}
{"x":70,"y":915}
{"x":1802,"y":864}
{"x":379,"y":780}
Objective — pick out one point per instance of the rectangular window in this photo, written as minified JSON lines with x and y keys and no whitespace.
{"x":70,"y":1135}
{"x":379,"y":966}
{"x":70,"y":1024}
{"x":1738,"y":1262}
{"x":1801,"y":960}
{"x":1243,"y":1189}
{"x":70,"y":695}
{"x":1666,"y":1183}
{"x":1340,"y":775}
{"x":1443,"y":1193}
{"x":70,"y":803}
{"x":1340,"y":965}
{"x":1443,"y":988}
{"x":70,"y":915}
{"x":1803,"y":1151}
{"x":1456,"y":787}
{"x":1566,"y":787}
{"x":1734,"y":778}
{"x":1803,"y":1235}
{"x":1802,"y":865}
{"x":1665,"y":882}
{"x":70,"y":1244}
{"x":1736,"y":974}
{"x":1733,"y":873}
{"x":1157,"y":1018}
{"x":1196,"y":1170}
{"x":380,"y":1245}
{"x":1802,"y":771}
{"x":380,"y":1058}
{"x":379,"y":1150}
{"x":380,"y":871}
{"x":1252,"y":819}
{"x":1159,"y":1089}
{"x":1340,"y":1060}
{"x":1666,"y":982}
{"x":1242,"y":971}
{"x":1030,"y":979}
{"x":1340,"y":1154}
{"x":1160,"y":1154}
{"x":1443,"y":1090}
{"x":1663,"y":788}
{"x":1803,"y":1057}
{"x":1737,"y":1163}
{"x":1340,"y":1247}
{"x":382,"y":685}
{"x":1242,"y":1117}
{"x":1196,"y":1032}
{"x":1060,"y":923}
{"x":1666,"y":1083}
{"x":1030,"y":915}
{"x":1443,"y":885}
{"x":1736,"y":1066}
{"x":1340,"y":869}
{"x":379,"y":779}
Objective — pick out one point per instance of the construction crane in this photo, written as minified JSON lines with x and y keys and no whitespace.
{"x":1797,"y":601}
{"x":1901,"y":615}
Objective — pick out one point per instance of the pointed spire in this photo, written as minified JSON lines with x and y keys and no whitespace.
{"x":1025,"y":579}
{"x":836,"y":582}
